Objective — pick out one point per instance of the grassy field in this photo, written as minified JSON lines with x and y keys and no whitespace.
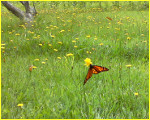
{"x":56,"y":44}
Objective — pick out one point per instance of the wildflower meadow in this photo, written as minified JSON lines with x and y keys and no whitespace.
{"x":44,"y":64}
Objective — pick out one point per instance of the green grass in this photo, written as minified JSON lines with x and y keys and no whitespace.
{"x":55,"y":89}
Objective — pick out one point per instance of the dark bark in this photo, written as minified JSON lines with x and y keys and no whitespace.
{"x":17,"y":12}
{"x":27,"y":16}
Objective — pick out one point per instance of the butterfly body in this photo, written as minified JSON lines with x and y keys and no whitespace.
{"x":94,"y":69}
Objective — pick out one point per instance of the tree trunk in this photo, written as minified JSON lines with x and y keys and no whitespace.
{"x":27,"y":16}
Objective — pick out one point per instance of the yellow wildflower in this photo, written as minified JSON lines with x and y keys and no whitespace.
{"x":17,"y":34}
{"x":95,"y":38}
{"x":59,"y":42}
{"x":59,"y":57}
{"x":136,"y":94}
{"x":62,"y":30}
{"x":36,"y":59}
{"x":43,"y":62}
{"x":128,"y":38}
{"x":126,"y":33}
{"x":10,"y":32}
{"x":128,"y":66}
{"x":50,"y":44}
{"x":69,"y":54}
{"x":127,"y":18}
{"x":75,"y":46}
{"x":88,"y":36}
{"x":119,"y":22}
{"x":55,"y":50}
{"x":88,"y":52}
{"x":73,"y":41}
{"x":88,"y":62}
{"x":34,"y":67}
{"x":40,"y":44}
{"x":93,"y":48}
{"x":144,"y":41}
{"x":101,"y":44}
{"x":20,"y":105}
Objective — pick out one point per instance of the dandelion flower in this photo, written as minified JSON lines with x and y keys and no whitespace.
{"x":17,"y":34}
{"x":101,"y":44}
{"x":93,"y":48}
{"x":36,"y":59}
{"x":88,"y":36}
{"x":136,"y":94}
{"x":43,"y":62}
{"x":75,"y":46}
{"x":142,"y":35}
{"x":73,"y":41}
{"x":127,"y":18}
{"x":40,"y":44}
{"x":88,"y":52}
{"x":95,"y":38}
{"x":128,"y":66}
{"x":88,"y":62}
{"x":62,"y":30}
{"x":58,"y":57}
{"x":20,"y":105}
{"x":144,"y":41}
{"x":119,"y":22}
{"x":53,"y":36}
{"x":128,"y":38}
{"x":50,"y":45}
{"x":59,"y":42}
{"x":55,"y":50}
{"x":34,"y":67}
{"x":10,"y":32}
{"x":69,"y":54}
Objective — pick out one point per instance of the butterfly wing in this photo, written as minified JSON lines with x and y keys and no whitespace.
{"x":89,"y":75}
{"x":94,"y":69}
{"x":97,"y":69}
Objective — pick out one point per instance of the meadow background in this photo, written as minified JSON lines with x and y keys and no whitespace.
{"x":60,"y":38}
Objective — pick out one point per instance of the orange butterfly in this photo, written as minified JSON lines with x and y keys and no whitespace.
{"x":94,"y":69}
{"x":109,"y":18}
